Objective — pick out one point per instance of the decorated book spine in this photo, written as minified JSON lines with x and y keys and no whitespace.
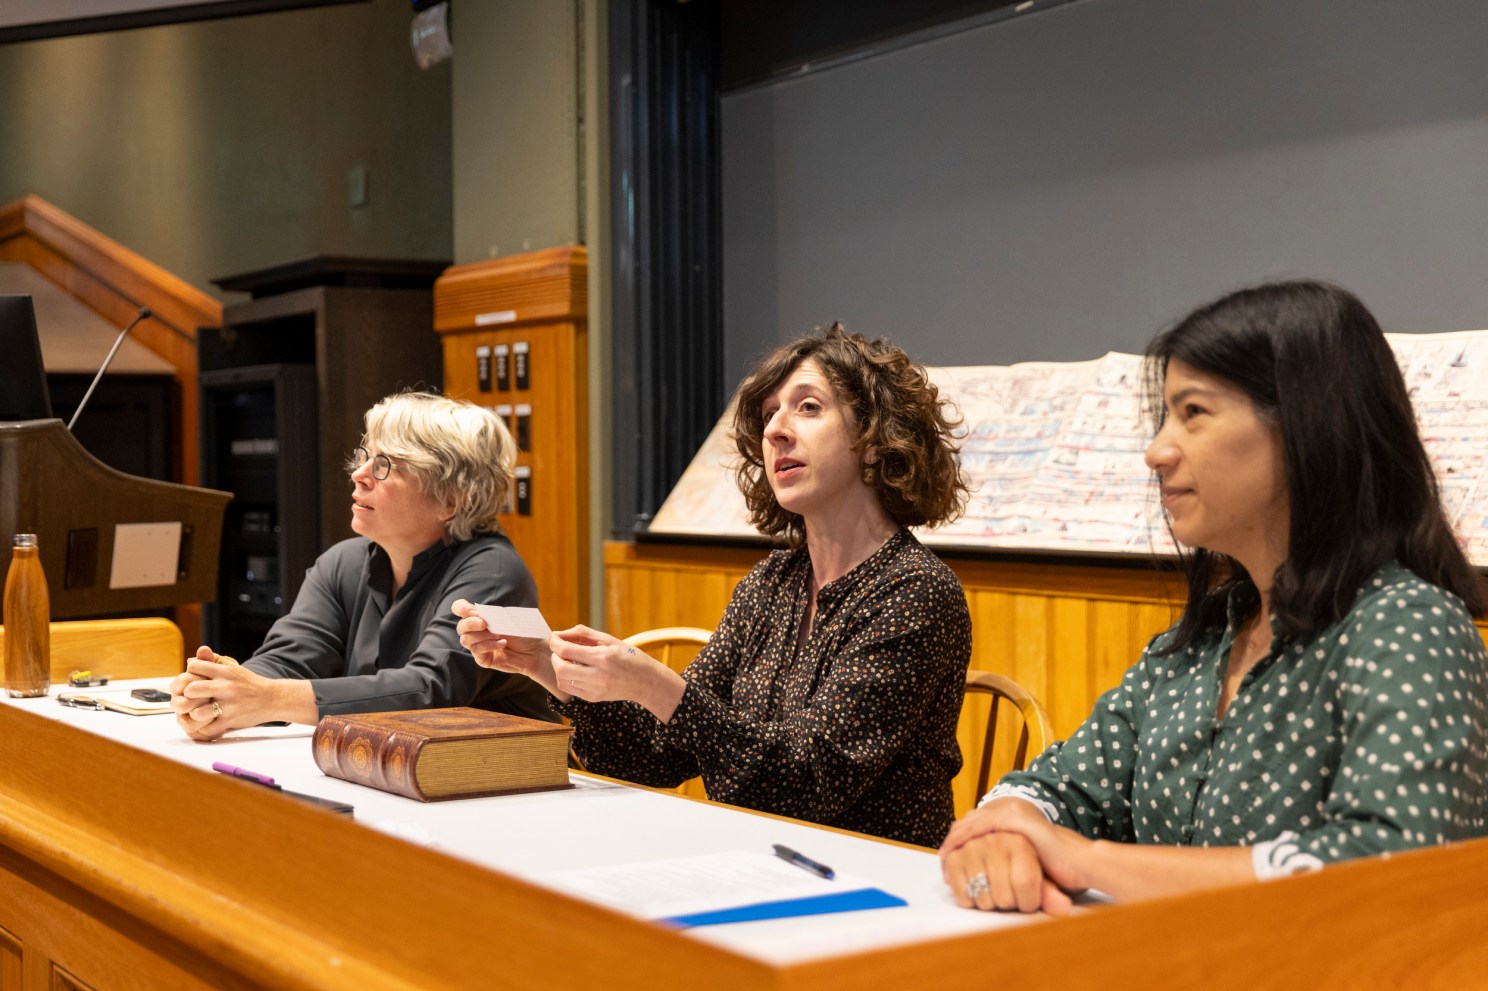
{"x":368,"y":755}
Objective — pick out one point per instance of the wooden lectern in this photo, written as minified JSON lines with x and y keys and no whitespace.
{"x":81,"y":509}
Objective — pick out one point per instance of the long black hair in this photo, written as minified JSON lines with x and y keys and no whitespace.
{"x":1315,"y":363}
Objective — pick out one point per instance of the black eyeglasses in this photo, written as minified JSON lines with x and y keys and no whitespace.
{"x":381,"y":464}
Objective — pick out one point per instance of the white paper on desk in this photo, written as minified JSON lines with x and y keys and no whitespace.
{"x":663,"y":889}
{"x":514,"y":621}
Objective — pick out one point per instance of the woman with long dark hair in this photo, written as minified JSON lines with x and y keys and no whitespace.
{"x":1322,"y":696}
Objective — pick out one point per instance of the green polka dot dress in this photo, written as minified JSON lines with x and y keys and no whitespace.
{"x":1368,"y":737}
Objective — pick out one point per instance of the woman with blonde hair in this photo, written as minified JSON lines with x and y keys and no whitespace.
{"x":371,"y":629}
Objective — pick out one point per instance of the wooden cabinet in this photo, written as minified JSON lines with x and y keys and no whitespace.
{"x":288,"y":376}
{"x":270,"y":534}
{"x":514,"y":332}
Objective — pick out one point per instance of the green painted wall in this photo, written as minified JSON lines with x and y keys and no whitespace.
{"x":531,"y":172}
{"x":225,"y":146}
{"x":222,"y":147}
{"x":517,"y":145}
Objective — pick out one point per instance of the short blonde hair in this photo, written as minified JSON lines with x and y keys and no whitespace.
{"x":460,"y":453}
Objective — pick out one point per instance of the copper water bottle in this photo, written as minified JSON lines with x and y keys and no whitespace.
{"x":28,"y":632}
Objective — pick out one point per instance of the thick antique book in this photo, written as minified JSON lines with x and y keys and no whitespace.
{"x":432,"y":754}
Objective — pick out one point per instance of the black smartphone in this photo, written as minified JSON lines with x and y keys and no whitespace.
{"x":150,"y":695}
{"x":329,"y":804}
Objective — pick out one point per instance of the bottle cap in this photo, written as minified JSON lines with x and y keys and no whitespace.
{"x":25,"y":540}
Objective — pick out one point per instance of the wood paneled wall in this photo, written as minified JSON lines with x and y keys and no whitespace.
{"x":115,"y":282}
{"x":1066,"y":632}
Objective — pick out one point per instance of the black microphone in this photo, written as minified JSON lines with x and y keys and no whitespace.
{"x":143,"y":314}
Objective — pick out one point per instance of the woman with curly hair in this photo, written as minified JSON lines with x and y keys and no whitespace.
{"x":831,"y":688}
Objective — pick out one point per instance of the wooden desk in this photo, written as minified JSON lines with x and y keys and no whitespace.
{"x":121,"y":868}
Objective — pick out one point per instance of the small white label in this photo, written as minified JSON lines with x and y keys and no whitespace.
{"x":519,"y":348}
{"x":503,"y":411}
{"x":524,"y":409}
{"x":496,"y":316}
{"x":145,"y":555}
{"x":254,"y":445}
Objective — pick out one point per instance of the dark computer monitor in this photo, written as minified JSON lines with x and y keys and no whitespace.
{"x":23,"y":388}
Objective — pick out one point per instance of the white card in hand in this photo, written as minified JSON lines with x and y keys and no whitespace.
{"x":514,"y":621}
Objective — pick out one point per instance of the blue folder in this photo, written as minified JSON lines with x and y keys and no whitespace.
{"x":844,"y":901}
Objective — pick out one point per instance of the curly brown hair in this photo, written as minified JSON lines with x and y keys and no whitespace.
{"x":898,"y":412}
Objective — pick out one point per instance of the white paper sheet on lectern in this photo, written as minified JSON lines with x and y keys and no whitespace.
{"x":145,"y":555}
{"x":710,"y":882}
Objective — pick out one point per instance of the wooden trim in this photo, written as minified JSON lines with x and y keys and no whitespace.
{"x":549,"y":286}
{"x":174,"y":300}
{"x":1115,"y":582}
{"x":115,"y":282}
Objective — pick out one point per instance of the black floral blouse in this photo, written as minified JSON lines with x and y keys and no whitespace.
{"x":856,"y":729}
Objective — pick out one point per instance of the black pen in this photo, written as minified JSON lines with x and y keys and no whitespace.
{"x":790,"y":856}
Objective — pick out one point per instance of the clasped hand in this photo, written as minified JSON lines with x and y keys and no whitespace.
{"x":1028,"y":862}
{"x":215,"y":695}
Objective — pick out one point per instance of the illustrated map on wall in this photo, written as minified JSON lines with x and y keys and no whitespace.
{"x":1053,"y":451}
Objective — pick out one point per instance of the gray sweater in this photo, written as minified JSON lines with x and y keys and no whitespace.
{"x":368,"y":654}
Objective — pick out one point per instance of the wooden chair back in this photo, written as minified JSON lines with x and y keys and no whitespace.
{"x":675,"y":646}
{"x":149,"y":647}
{"x":1037,"y":731}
